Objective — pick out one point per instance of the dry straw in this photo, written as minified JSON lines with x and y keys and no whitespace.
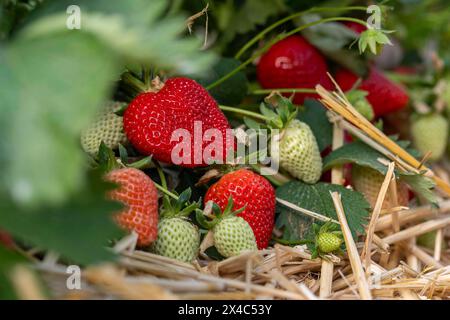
{"x":385,"y":264}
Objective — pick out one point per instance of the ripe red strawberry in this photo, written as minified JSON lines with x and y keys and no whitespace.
{"x":357,"y":27}
{"x":384,"y":95}
{"x":6,"y":240}
{"x":138,"y":193}
{"x":253,"y":191}
{"x":293,"y":63}
{"x":152,"y":117}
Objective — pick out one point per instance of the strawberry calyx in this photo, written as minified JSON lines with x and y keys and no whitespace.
{"x":279,"y":111}
{"x":180,"y":207}
{"x":136,"y":85}
{"x":208,"y":220}
{"x":374,"y":39}
{"x":175,"y":205}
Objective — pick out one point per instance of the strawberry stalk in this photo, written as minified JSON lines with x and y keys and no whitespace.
{"x":276,"y":179}
{"x":165,"y":191}
{"x":180,"y":206}
{"x":218,"y":214}
{"x":260,"y":35}
{"x":277,"y":39}
{"x":163,"y":187}
{"x":293,"y":242}
{"x":282,"y":90}
{"x":244,"y":112}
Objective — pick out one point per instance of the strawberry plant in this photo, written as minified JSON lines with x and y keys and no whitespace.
{"x":161,"y":136}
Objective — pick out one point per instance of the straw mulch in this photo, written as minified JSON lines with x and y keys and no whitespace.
{"x":386,"y":263}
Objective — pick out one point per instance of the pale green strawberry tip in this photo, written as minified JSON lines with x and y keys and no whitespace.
{"x":177,"y":239}
{"x":232,"y":236}
{"x":107,"y":127}
{"x":299,"y":153}
{"x":430,"y":134}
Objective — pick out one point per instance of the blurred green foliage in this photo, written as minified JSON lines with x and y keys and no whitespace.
{"x":53,"y":80}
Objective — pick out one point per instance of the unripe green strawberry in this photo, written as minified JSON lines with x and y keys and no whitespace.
{"x":430,"y":134}
{"x":233,"y":235}
{"x":365,"y":109}
{"x":428,"y":240}
{"x":299,"y":153}
{"x":177,"y":239}
{"x":328,"y":242}
{"x":368,"y":181}
{"x":358,"y":99}
{"x":106,"y":127}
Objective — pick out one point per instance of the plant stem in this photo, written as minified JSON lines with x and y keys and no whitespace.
{"x":161,"y":174}
{"x":293,"y":242}
{"x":244,"y":112}
{"x":276,"y":179}
{"x":133,"y":82}
{"x":291,"y":17}
{"x":142,"y":164}
{"x":277,"y":39}
{"x":163,"y":188}
{"x":165,"y":191}
{"x":282,"y":90}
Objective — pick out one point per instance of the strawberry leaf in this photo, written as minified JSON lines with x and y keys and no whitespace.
{"x":314,"y":114}
{"x":363,"y":155}
{"x":421,"y":185}
{"x":317,"y":198}
{"x":357,"y":152}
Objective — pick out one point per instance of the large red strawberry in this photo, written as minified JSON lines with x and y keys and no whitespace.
{"x":293,"y":63}
{"x":152,"y":118}
{"x":253,"y":191}
{"x":138,"y":193}
{"x":384,"y":95}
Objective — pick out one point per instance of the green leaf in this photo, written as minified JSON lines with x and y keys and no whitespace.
{"x":421,"y":185}
{"x":238,"y":20}
{"x":233,"y":90}
{"x":360,"y":153}
{"x":9,"y":259}
{"x":106,"y":158}
{"x":131,"y":29}
{"x":79,"y":230}
{"x":252,"y":124}
{"x":314,"y":114}
{"x":317,"y":198}
{"x":49,"y":100}
{"x":363,"y":155}
{"x":356,"y":152}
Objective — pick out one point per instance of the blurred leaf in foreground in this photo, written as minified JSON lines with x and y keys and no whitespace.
{"x":8,"y":260}
{"x":79,"y":230}
{"x":53,"y":80}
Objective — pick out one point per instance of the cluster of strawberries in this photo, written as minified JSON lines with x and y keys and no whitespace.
{"x":243,"y":201}
{"x":295,"y":63}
